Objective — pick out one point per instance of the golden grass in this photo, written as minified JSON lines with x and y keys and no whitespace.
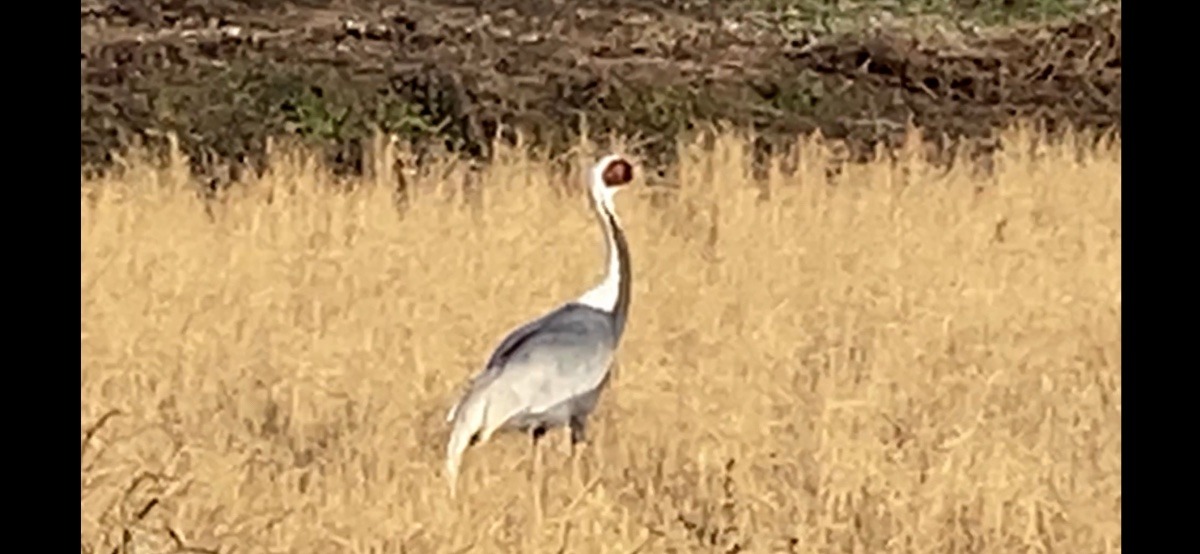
{"x":906,"y":361}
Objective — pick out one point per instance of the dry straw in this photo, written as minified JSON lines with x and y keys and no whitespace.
{"x":901,"y":359}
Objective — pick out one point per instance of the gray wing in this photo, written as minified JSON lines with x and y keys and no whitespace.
{"x":518,"y":336}
{"x":574,"y":335}
{"x":552,"y":359}
{"x":567,"y":357}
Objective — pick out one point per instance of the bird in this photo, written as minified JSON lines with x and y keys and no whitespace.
{"x":549,"y":372}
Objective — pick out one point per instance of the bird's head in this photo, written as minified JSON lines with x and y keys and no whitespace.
{"x":608,"y":176}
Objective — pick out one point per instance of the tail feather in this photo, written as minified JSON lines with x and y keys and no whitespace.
{"x":469,"y":417}
{"x":482,"y":411}
{"x":472,"y":386}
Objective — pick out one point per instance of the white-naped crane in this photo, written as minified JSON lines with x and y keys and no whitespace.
{"x":549,"y":372}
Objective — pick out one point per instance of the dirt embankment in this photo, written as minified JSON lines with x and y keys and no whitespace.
{"x":224,"y":75}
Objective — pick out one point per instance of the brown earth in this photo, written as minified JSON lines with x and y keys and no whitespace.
{"x":225,"y":75}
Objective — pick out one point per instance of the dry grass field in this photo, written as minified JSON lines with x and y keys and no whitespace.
{"x":907,"y":360}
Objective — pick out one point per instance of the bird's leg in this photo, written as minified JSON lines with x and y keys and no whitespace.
{"x":578,"y":426}
{"x":567,"y":446}
{"x":578,"y":430}
{"x":535,"y":477}
{"x":536,"y":434}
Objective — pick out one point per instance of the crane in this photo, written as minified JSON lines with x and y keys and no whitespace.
{"x":549,"y":373}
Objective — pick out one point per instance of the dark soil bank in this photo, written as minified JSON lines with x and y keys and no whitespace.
{"x":224,"y":75}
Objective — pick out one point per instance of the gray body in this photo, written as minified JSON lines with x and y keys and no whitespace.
{"x":551,"y":371}
{"x":555,"y":366}
{"x":545,"y":374}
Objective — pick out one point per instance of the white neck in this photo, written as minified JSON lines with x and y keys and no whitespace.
{"x":604,"y":295}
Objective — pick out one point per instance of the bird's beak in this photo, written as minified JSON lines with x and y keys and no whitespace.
{"x":658,"y":181}
{"x":657,"y":186}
